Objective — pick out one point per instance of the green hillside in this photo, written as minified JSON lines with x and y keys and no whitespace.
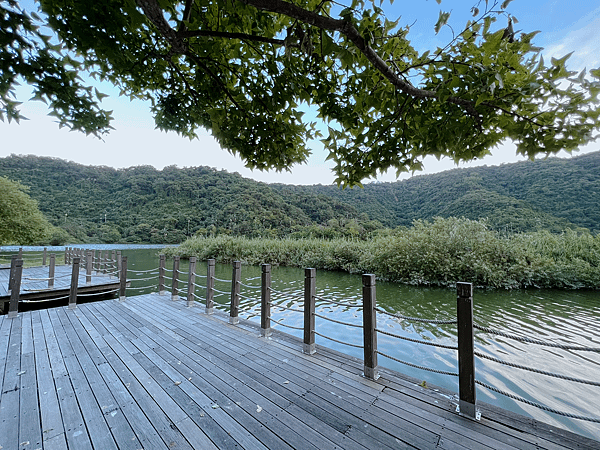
{"x":547,"y":194}
{"x":142,"y":204}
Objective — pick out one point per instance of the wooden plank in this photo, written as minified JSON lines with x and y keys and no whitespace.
{"x":221,"y":349}
{"x":325,"y":393}
{"x":74,"y":425}
{"x":29,"y":412}
{"x":96,"y":425}
{"x":50,"y":415}
{"x":161,"y":410}
{"x":237,"y":432}
{"x":160,"y":367}
{"x":9,"y":394}
{"x":123,"y":434}
{"x":257,"y":398}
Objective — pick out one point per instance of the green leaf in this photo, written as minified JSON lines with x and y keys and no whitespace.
{"x":442,"y":20}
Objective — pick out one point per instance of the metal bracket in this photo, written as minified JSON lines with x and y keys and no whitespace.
{"x":468,"y":411}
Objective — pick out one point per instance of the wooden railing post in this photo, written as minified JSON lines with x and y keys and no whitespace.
{"x":20,"y":253}
{"x":74,"y":283}
{"x":210,"y":286}
{"x":13,"y":307}
{"x":119,"y":264}
{"x":123,"y":279}
{"x":175,"y":281}
{"x":88,"y":267}
{"x":113,"y":260}
{"x":105,"y":268}
{"x":236,"y":278}
{"x":66,"y":255}
{"x":369,"y":326}
{"x":13,"y":264}
{"x":466,"y":358}
{"x":102,"y":258}
{"x":191,"y":281}
{"x":265,"y":301}
{"x":161,"y":274}
{"x":51,"y":270}
{"x":310,"y":290}
{"x":44,"y":256}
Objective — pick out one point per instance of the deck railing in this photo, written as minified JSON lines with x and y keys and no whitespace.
{"x":77,"y":257}
{"x":466,"y":326}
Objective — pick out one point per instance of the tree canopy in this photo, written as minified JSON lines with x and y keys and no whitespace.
{"x":247,"y":69}
{"x":21,"y":222}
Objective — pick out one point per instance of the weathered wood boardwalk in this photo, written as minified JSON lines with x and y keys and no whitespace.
{"x":34,"y":284}
{"x":151,"y":373}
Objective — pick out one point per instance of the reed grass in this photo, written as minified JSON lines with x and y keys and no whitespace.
{"x":436,"y":253}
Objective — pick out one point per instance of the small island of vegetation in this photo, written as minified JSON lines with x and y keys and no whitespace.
{"x":435,"y":253}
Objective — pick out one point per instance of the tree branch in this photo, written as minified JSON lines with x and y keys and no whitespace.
{"x":154,"y":13}
{"x":346,"y":28}
{"x":241,"y":36}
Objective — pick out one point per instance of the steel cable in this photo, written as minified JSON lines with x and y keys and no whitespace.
{"x":287,"y":308}
{"x":537,"y":405}
{"x":249,"y":286}
{"x":417,"y":341}
{"x":453,"y":374}
{"x":348,"y":305}
{"x":537,"y":342}
{"x":338,"y":321}
{"x":284,"y":325}
{"x":416,"y":319}
{"x":335,"y":340}
{"x":542,"y":372}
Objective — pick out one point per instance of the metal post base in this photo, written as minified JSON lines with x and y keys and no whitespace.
{"x":122,"y":299}
{"x":12,"y":314}
{"x":469,"y":410}
{"x":190,"y":304}
{"x":73,"y":306}
{"x":265,"y":332}
{"x":234,"y":320}
{"x":208,"y":311}
{"x":371,"y":372}
{"x":309,"y":349}
{"x":174,"y":297}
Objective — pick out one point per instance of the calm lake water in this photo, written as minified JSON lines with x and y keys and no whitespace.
{"x":564,"y":317}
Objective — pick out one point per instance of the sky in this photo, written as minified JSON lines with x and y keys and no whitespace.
{"x":566,"y":26}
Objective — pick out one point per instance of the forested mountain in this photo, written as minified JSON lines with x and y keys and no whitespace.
{"x":545,"y":194}
{"x":142,"y":204}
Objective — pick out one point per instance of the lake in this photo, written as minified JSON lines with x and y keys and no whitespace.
{"x":563,"y":317}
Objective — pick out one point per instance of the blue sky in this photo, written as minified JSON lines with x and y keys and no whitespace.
{"x":566,"y":26}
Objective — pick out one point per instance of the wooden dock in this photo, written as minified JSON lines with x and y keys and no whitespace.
{"x":152,"y":373}
{"x":34,"y":284}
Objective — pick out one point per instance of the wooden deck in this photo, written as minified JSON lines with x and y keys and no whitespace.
{"x":34,"y":284}
{"x":151,"y":373}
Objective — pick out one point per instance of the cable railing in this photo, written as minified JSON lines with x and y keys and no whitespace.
{"x":32,"y":287}
{"x":275,"y":303}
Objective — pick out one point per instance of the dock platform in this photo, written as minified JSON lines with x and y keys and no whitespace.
{"x":34,"y":284}
{"x":152,"y":373}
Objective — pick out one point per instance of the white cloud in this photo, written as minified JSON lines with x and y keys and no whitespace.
{"x":581,"y":39}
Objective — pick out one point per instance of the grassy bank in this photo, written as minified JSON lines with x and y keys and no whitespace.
{"x":436,"y":253}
